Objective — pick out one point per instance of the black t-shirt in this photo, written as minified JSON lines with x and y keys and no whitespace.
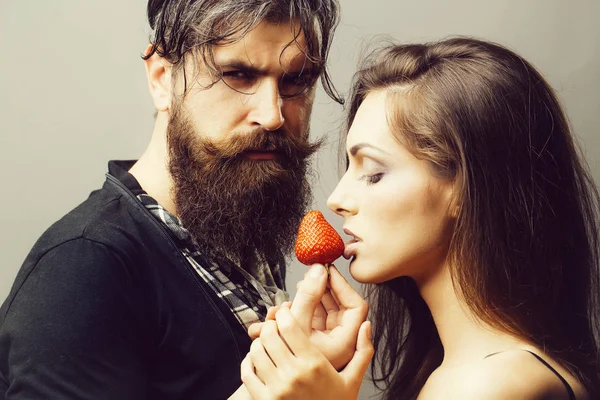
{"x":106,"y":307}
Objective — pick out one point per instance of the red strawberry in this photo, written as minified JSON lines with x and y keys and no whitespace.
{"x":317,"y":241}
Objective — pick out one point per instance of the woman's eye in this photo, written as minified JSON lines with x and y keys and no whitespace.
{"x":373,"y":179}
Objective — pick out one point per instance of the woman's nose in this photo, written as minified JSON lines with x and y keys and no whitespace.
{"x":340,"y":201}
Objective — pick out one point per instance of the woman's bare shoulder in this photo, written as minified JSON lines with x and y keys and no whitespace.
{"x":514,"y":374}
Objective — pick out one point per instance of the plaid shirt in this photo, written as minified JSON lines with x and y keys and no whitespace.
{"x":247,"y":296}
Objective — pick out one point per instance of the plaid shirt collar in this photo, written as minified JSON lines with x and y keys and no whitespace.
{"x":247,"y":296}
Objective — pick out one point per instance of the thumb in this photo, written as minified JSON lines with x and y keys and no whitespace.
{"x":310,"y":292}
{"x":354,"y":372}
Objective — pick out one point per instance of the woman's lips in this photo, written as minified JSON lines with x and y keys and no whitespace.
{"x":351,"y":246}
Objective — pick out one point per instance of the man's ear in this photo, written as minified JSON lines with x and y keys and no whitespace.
{"x":158,"y":72}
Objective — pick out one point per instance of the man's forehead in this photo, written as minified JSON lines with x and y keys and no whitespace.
{"x":268,"y":45}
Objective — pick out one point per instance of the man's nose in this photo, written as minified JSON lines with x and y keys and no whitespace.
{"x":267,"y":111}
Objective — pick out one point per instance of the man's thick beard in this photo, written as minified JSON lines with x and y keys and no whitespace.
{"x":247,"y":211}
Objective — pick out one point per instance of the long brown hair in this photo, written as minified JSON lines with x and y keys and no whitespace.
{"x":524,"y":255}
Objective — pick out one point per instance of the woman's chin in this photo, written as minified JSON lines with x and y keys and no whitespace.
{"x":369,"y":271}
{"x":360,"y":272}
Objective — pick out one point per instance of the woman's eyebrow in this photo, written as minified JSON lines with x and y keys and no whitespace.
{"x":354,"y":149}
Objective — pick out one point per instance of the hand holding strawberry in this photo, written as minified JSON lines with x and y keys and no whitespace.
{"x":329,"y":311}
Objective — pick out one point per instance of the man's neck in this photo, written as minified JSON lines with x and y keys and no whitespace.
{"x":151,"y":169}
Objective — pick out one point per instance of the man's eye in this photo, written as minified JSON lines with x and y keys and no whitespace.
{"x":241,"y":81}
{"x":292,"y":85}
{"x":236,"y":75}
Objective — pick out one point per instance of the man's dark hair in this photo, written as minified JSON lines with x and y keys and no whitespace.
{"x":192,"y":27}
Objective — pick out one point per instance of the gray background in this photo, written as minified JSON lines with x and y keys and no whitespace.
{"x":73,"y":91}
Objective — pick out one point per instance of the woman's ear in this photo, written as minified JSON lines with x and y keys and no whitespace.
{"x":158,"y":72}
{"x":453,"y":200}
{"x":454,"y":209}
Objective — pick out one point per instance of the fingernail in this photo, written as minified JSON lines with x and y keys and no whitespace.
{"x":316,"y":271}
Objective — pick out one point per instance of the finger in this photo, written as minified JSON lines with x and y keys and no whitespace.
{"x":262,"y":363}
{"x":294,"y":336}
{"x":319,"y":321}
{"x":354,"y":372}
{"x":271,"y":313}
{"x":254,"y":330}
{"x":345,"y":294}
{"x":329,"y":302}
{"x":344,"y":325}
{"x":309,"y":295}
{"x":253,"y":384}
{"x":274,"y":345}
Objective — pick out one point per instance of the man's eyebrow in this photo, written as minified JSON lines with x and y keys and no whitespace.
{"x":237,"y":64}
{"x":244,"y":66}
{"x":354,"y":149}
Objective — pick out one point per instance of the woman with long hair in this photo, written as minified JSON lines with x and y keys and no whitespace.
{"x":475,"y":225}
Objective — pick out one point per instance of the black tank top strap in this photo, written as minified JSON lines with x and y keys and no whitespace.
{"x":559,"y":376}
{"x":563,"y":380}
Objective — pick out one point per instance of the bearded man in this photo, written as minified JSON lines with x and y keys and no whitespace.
{"x":146,"y":289}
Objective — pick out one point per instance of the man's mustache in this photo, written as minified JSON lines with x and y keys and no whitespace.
{"x":279,"y":141}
